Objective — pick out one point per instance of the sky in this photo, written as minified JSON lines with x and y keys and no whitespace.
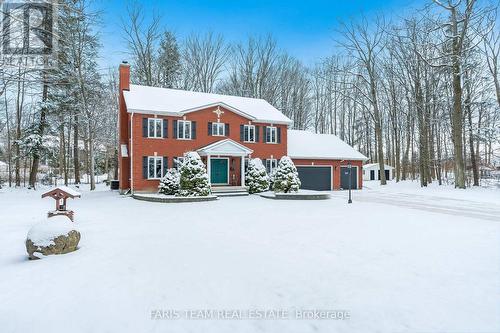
{"x":304,"y":29}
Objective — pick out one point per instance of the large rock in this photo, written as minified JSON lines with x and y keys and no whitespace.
{"x":56,"y":235}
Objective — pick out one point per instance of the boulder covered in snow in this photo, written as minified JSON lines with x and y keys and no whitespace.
{"x":56,"y":235}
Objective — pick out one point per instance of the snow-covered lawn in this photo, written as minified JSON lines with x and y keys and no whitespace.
{"x":399,"y":259}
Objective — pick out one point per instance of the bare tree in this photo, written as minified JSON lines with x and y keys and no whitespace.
{"x":366,"y":45}
{"x":455,"y":31}
{"x":142,"y":39}
{"x":204,"y":58}
{"x":491,"y":51}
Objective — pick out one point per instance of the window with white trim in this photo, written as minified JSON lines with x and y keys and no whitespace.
{"x":155,"y":167}
{"x":271,"y":134}
{"x":271,"y":164}
{"x":155,"y":128}
{"x":184,"y":129}
{"x":247,"y":161}
{"x":218,"y":129}
{"x":178,"y":162}
{"x":249,"y":133}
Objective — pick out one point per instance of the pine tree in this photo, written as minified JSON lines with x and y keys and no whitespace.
{"x":169,"y":62}
{"x":169,"y":184}
{"x":194,"y":177}
{"x":256,"y":177}
{"x":272,"y":174}
{"x":286,"y":178}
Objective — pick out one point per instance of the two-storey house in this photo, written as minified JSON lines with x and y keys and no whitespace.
{"x":157,"y":126}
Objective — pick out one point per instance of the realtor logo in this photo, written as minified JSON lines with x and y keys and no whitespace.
{"x":28,"y":33}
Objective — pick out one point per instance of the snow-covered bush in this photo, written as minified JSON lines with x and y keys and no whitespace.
{"x":169,"y":184}
{"x":256,"y":177}
{"x":286,"y":178}
{"x":272,"y":174}
{"x":193,"y":177}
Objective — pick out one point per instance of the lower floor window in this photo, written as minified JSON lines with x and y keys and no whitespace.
{"x":271,"y":164}
{"x":178,"y":162}
{"x":155,"y":167}
{"x":247,"y":160}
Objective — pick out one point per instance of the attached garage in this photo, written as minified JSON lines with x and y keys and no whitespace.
{"x":317,"y":178}
{"x":320,"y":159}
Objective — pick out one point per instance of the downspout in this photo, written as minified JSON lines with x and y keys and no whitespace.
{"x":132,"y":153}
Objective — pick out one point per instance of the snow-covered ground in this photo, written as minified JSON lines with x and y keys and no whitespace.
{"x":399,"y":259}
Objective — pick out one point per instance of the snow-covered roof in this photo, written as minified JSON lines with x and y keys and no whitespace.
{"x":175,"y":102}
{"x":305,"y":144}
{"x":375,"y":165}
{"x":66,"y":189}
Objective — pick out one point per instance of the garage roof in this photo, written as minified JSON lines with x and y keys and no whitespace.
{"x":376,"y":166}
{"x":176,"y":102}
{"x":309,"y":145}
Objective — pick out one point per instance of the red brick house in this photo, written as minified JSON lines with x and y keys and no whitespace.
{"x":157,"y":126}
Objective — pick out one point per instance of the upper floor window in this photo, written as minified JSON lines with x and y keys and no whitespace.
{"x":218,"y":129}
{"x":271,"y":134}
{"x":249,"y":133}
{"x":184,"y":129}
{"x":155,"y":167}
{"x":155,"y":128}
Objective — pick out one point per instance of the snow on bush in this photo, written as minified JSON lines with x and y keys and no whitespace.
{"x":169,"y":184}
{"x":193,"y":177}
{"x":256,"y":177}
{"x":44,"y":233}
{"x":286,"y":179}
{"x":272,"y":174}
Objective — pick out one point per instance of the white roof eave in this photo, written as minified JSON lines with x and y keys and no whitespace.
{"x":180,"y":114}
{"x":160,"y":112}
{"x":213,"y":149}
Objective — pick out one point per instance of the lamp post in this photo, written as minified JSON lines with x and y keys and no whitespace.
{"x":349,"y":166}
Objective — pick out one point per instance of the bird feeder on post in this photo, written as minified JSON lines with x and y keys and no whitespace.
{"x":60,"y":194}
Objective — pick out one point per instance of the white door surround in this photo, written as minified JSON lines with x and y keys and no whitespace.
{"x":226,"y":147}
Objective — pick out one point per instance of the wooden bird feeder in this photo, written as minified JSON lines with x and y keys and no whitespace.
{"x":60,"y":194}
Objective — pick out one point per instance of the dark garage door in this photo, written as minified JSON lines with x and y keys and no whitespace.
{"x":315,"y":178}
{"x":386,"y":175}
{"x":344,"y":178}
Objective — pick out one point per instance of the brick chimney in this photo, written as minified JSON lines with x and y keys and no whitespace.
{"x":123,"y":128}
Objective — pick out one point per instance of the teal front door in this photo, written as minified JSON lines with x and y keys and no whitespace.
{"x":219,"y":171}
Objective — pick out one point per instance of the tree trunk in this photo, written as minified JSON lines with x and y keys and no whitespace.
{"x":456,"y":128}
{"x":473,"y":159}
{"x":41,"y":129}
{"x":19,"y":107}
{"x":9,"y":146}
{"x":91,"y":158}
{"x":379,"y":135}
{"x":76,"y":150}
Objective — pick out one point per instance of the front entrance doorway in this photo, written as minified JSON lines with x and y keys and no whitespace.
{"x":219,"y":171}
